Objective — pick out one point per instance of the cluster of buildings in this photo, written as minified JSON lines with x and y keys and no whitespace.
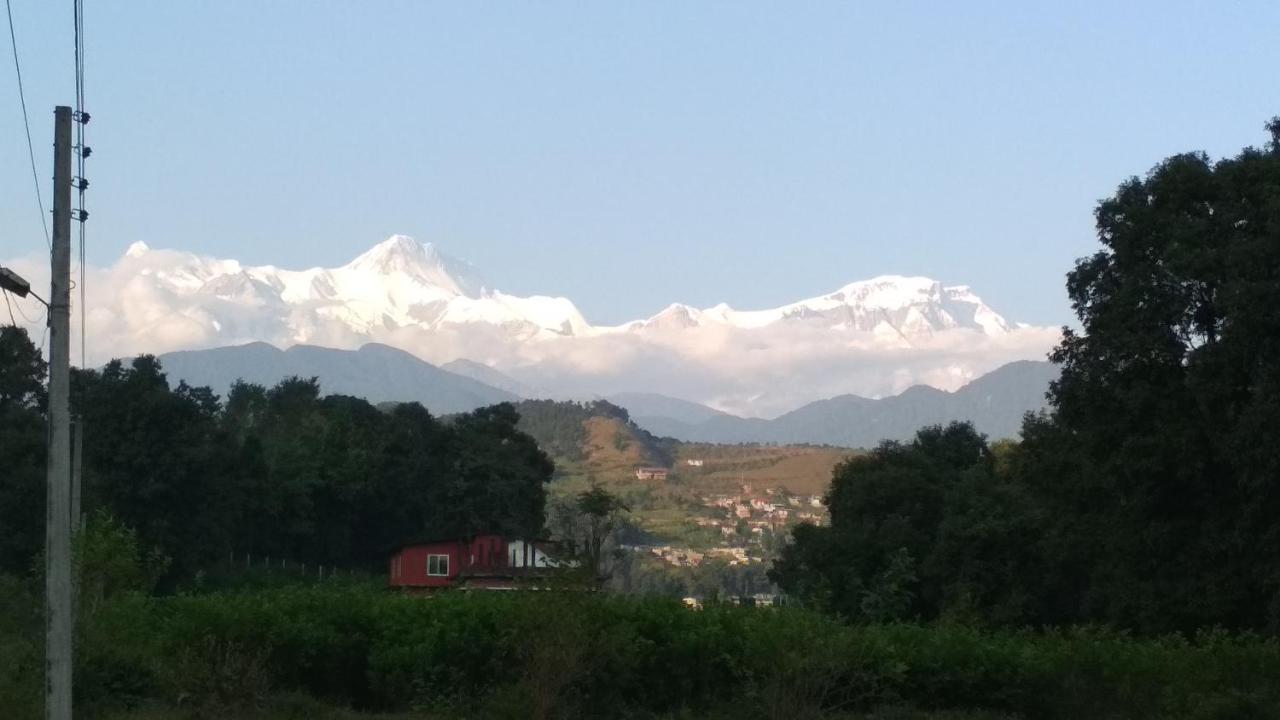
{"x":742,"y":519}
{"x":687,"y":557}
{"x":775,"y":510}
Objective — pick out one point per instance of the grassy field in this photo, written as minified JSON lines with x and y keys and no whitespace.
{"x":798,"y":470}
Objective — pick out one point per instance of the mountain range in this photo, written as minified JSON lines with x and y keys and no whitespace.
{"x":377,"y":373}
{"x":995,"y":402}
{"x":872,"y":338}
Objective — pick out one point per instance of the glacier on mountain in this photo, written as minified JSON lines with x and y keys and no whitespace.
{"x":871,"y":337}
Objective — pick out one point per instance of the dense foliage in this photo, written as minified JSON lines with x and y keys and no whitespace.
{"x":920,"y":529}
{"x":573,"y":655}
{"x":22,"y":449}
{"x":1146,"y":498}
{"x":279,"y":472}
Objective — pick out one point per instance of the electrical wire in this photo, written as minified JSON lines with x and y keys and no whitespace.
{"x":20,"y":310}
{"x":78,"y":7}
{"x":6,"y":304}
{"x":31,"y":153}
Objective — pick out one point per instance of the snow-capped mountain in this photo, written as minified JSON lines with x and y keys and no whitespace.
{"x":889,"y":305}
{"x":397,"y":283}
{"x":872,"y":337}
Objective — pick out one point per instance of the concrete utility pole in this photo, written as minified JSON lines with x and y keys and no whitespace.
{"x":58,"y":617}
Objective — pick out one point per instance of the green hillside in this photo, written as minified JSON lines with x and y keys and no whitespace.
{"x":712,"y":525}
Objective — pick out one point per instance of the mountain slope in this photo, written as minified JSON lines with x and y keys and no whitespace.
{"x":995,"y":403}
{"x":488,"y":375}
{"x":375,"y":372}
{"x":662,"y":406}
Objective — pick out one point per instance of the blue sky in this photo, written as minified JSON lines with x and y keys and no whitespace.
{"x":628,"y":155}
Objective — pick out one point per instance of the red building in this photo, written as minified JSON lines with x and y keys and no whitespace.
{"x":482,"y":561}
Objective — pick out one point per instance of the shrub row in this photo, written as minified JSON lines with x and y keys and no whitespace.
{"x":555,"y":655}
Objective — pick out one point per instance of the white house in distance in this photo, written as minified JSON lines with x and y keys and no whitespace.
{"x":651,"y":473}
{"x":694,"y":462}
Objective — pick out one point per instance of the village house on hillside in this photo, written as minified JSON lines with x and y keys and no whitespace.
{"x":651,"y":473}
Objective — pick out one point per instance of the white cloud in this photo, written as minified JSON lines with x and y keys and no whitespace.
{"x":156,"y":301}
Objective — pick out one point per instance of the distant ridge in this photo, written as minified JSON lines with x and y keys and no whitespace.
{"x":995,"y":403}
{"x":378,"y":373}
{"x":489,"y":376}
{"x":662,"y":406}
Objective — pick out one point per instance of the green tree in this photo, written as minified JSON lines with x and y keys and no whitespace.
{"x":1158,"y":465}
{"x":917,"y":529}
{"x":109,"y":561}
{"x":22,"y":450}
{"x":889,"y":595}
{"x":587,"y":525}
{"x":155,"y":458}
{"x":496,"y":480}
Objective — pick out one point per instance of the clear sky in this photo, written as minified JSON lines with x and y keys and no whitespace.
{"x":628,"y":155}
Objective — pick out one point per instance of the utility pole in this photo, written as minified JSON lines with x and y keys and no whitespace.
{"x":58,"y":613}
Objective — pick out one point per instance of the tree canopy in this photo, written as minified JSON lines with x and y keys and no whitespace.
{"x":282,"y":471}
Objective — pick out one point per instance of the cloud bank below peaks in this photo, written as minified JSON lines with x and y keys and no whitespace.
{"x":872,"y":337}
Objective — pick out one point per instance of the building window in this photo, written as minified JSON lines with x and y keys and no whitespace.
{"x":438,"y":565}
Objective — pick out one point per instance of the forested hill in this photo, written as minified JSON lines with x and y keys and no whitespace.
{"x":597,"y":434}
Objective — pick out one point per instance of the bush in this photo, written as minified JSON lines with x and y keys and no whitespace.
{"x":21,"y":648}
{"x":551,"y":655}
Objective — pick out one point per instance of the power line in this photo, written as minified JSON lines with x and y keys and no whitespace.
{"x":6,"y":304}
{"x":20,"y":310}
{"x":31,"y":153}
{"x":81,"y":183}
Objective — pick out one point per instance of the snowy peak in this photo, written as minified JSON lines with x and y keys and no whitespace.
{"x":889,"y":292}
{"x":398,"y":253}
{"x":397,"y":284}
{"x":401,"y":283}
{"x":675,"y":316}
{"x":402,"y":255}
{"x":891,"y":306}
